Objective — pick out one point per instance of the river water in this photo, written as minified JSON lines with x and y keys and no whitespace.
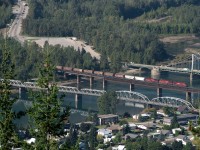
{"x":89,"y":103}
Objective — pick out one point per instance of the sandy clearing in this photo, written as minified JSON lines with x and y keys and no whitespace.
{"x":65,"y":42}
{"x":179,"y":38}
{"x":163,"y":19}
{"x":15,"y":31}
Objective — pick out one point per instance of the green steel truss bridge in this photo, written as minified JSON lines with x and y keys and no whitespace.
{"x":129,"y":96}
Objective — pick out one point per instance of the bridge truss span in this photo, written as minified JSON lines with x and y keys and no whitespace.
{"x":132,"y":96}
{"x":93,"y":92}
{"x":173,"y":102}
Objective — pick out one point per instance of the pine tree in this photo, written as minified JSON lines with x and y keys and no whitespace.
{"x":92,"y":137}
{"x":45,"y":114}
{"x":7,"y":132}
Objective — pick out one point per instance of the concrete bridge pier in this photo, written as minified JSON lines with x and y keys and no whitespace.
{"x":105,"y":84}
{"x":159,"y":92}
{"x":23,"y":93}
{"x":188,"y":96}
{"x":140,"y":71}
{"x":191,"y":78}
{"x":65,"y":76}
{"x":78,"y":79}
{"x":155,"y":73}
{"x":132,"y":87}
{"x":91,"y":82}
{"x":78,"y":101}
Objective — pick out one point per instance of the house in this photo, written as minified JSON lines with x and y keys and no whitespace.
{"x":132,"y":126}
{"x":130,"y":136}
{"x":144,"y":115}
{"x":176,"y":130}
{"x":182,"y":110}
{"x":30,"y":141}
{"x":146,"y":126}
{"x":161,"y":112}
{"x":119,"y":147}
{"x":183,"y":118}
{"x":150,"y":125}
{"x":108,"y":119}
{"x":154,"y":135}
{"x":183,"y":138}
{"x":82,"y":145}
{"x":143,"y":127}
{"x":159,"y":134}
{"x":167,"y":121}
{"x":165,"y":132}
{"x":105,"y":132}
{"x":115,"y":128}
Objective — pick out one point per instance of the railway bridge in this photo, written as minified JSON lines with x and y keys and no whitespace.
{"x":131,"y":82}
{"x":128,"y":96}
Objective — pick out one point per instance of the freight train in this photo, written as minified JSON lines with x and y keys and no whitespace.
{"x":123,"y":76}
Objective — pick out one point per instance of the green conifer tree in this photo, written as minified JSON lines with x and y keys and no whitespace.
{"x":7,"y":130}
{"x":45,"y":113}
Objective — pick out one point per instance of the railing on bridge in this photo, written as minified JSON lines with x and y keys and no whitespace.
{"x":190,"y":64}
{"x":122,"y":95}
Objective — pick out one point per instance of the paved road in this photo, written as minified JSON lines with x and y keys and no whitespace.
{"x":21,"y":12}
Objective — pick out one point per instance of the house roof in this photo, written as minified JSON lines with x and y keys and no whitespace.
{"x":183,"y":137}
{"x":114,"y":127}
{"x":121,"y":147}
{"x":182,"y":108}
{"x":107,"y":116}
{"x":131,"y":135}
{"x":104,"y":131}
{"x":165,"y":131}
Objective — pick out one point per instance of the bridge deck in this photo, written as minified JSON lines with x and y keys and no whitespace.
{"x":140,"y":83}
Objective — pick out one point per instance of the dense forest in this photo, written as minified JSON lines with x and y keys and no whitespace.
{"x":27,"y":58}
{"x":5,"y":12}
{"x":116,"y":28}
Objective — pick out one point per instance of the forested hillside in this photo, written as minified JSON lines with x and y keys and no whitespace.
{"x":104,"y":24}
{"x":5,"y":12}
{"x":116,"y":28}
{"x":27,"y":58}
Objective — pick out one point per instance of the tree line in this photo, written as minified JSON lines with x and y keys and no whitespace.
{"x":29,"y":56}
{"x":5,"y":12}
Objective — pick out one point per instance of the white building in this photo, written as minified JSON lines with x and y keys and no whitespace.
{"x":183,"y":138}
{"x":175,"y":130}
{"x":105,"y":132}
{"x":119,"y":147}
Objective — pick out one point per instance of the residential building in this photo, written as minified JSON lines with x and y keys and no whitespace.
{"x":183,"y":138}
{"x":108,"y":119}
{"x":105,"y":132}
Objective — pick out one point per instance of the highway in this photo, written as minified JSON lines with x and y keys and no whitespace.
{"x":165,"y":68}
{"x":15,"y":30}
{"x":21,"y":12}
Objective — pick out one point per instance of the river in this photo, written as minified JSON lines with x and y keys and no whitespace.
{"x":90,"y":102}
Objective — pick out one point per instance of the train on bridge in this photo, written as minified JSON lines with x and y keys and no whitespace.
{"x":122,"y":76}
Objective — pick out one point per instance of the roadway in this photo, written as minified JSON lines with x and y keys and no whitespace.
{"x":165,"y":68}
{"x":15,"y":30}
